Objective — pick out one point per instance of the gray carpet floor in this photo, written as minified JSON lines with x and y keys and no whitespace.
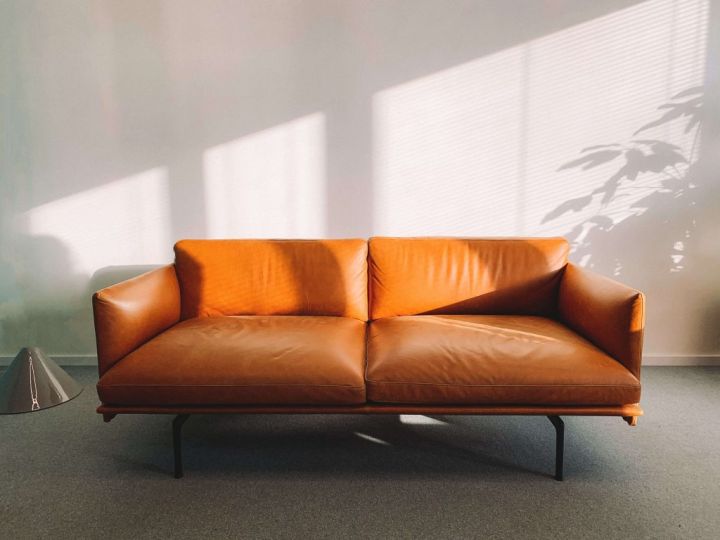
{"x":66,"y":474}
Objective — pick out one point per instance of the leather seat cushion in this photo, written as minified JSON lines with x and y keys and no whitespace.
{"x":244,"y":360}
{"x":490,"y":359}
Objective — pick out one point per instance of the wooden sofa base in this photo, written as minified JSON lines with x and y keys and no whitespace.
{"x":629,"y":413}
{"x":629,"y":410}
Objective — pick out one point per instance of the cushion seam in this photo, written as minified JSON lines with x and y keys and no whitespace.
{"x":494,"y":404}
{"x":505,"y":385}
{"x":225,"y":385}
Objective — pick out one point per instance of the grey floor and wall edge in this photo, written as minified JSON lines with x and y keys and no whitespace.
{"x":65,"y":474}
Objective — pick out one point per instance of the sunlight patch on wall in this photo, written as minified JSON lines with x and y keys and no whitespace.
{"x":268,"y":184}
{"x":119,"y":223}
{"x":446,"y":153}
{"x":477,"y":149}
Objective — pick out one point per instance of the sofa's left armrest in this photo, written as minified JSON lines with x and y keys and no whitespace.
{"x":132,"y":312}
{"x":608,"y":313}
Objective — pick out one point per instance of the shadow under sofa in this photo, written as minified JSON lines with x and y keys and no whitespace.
{"x":385,"y":326}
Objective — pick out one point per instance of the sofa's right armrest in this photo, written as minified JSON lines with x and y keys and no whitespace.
{"x":132,"y":312}
{"x":608,"y":313}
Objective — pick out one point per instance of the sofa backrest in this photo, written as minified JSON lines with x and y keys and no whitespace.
{"x":272,"y":277}
{"x":412,"y":276}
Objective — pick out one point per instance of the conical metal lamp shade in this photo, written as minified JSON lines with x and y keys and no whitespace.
{"x":33,"y":381}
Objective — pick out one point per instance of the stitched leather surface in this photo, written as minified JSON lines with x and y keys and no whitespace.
{"x":272,"y":277}
{"x":414,"y":276}
{"x":247,"y":359}
{"x":490,"y":359}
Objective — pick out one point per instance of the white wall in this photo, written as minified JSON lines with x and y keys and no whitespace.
{"x":129,"y":124}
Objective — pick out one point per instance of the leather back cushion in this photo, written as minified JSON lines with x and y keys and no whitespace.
{"x":272,"y":277}
{"x":465,"y":276}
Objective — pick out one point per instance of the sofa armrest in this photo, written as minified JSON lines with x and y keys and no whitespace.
{"x":609,"y":314}
{"x":132,"y":312}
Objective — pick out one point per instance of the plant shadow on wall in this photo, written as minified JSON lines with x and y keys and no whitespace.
{"x":648,"y":202}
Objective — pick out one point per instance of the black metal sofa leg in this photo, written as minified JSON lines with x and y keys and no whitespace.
{"x":559,"y":445}
{"x":557,"y":422}
{"x":177,"y":442}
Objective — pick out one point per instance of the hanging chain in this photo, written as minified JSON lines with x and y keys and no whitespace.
{"x":33,"y":386}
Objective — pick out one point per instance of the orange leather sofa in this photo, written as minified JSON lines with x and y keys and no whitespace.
{"x":389,"y":325}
